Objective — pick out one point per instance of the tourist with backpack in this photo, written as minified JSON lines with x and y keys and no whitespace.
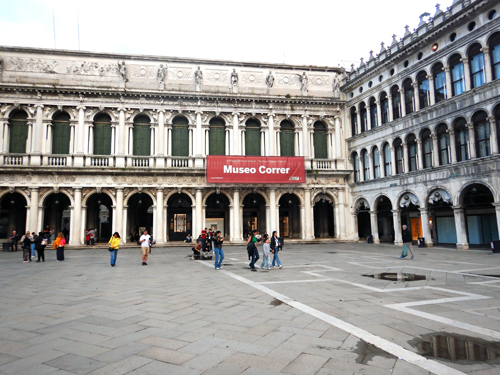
{"x":58,"y":245}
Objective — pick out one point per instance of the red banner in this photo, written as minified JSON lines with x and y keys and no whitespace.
{"x":255,"y":169}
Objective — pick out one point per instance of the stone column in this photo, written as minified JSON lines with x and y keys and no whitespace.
{"x":468,"y":85}
{"x":76,"y":234}
{"x":403,"y":102}
{"x":121,"y":139}
{"x":393,"y":161}
{"x":432,"y":90}
{"x":263,"y":146}
{"x":396,"y":217}
{"x":487,"y":64}
{"x":296,"y":135}
{"x":273,"y":222}
{"x":379,"y":113}
{"x":6,"y":136}
{"x":160,"y":151}
{"x":406,"y":159}
{"x":420,"y":159}
{"x":118,"y":222}
{"x":309,"y":217}
{"x":37,"y":130}
{"x":497,"y":211}
{"x":369,"y":125}
{"x":80,"y":137}
{"x":199,"y":141}
{"x":235,"y":144}
{"x":236,"y":216}
{"x":460,"y":226}
{"x":338,"y":139}
{"x":374,"y":223}
{"x":494,"y":136}
{"x":33,"y":224}
{"x":358,"y":119}
{"x":416,"y":98}
{"x":271,"y":136}
{"x":391,"y":109}
{"x":198,"y":214}
{"x":426,"y":229}
{"x":160,"y":226}
{"x":449,"y":84}
{"x":370,"y":166}
{"x":472,"y":141}
{"x":435,"y":150}
{"x":355,"y":230}
{"x":305,"y":137}
{"x":453,"y":146}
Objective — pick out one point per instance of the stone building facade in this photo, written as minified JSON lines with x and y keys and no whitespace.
{"x":119,"y":143}
{"x":423,"y":131}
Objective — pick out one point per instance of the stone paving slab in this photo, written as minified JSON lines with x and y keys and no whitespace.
{"x":178,"y":316}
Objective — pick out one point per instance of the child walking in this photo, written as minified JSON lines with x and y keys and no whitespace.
{"x":266,"y":251}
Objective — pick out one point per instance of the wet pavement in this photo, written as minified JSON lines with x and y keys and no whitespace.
{"x":332,"y":309}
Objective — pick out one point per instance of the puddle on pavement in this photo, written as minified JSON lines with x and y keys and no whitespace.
{"x":392,"y":276}
{"x":276,"y":302}
{"x":366,"y":352}
{"x":457,"y":347}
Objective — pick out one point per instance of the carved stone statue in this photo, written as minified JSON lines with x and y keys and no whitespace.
{"x":234,"y":78}
{"x":122,"y":69}
{"x":303,"y":82}
{"x":160,"y":75}
{"x":270,"y":80}
{"x":198,"y":76}
{"x":336,"y":83}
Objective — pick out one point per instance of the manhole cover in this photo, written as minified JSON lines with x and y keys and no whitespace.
{"x":393,"y":276}
{"x":457,"y":347}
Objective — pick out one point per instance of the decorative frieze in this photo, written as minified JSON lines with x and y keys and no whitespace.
{"x":287,"y":79}
{"x":217,"y":76}
{"x":21,"y":64}
{"x":183,"y":74}
{"x":142,"y":71}
{"x":93,"y":69}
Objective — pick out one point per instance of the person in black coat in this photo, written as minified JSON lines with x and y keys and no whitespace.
{"x":40,"y":249}
{"x":407,"y":239}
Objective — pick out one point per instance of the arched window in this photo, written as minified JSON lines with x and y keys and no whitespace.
{"x":409,"y":96}
{"x":398,"y":148}
{"x":411,"y":142}
{"x":362,"y":112}
{"x":180,"y":136}
{"x":18,"y":132}
{"x":142,"y":136}
{"x":427,"y":148}
{"x":320,"y":144}
{"x":252,"y":138}
{"x":457,"y":74}
{"x":384,"y":108}
{"x":102,"y":135}
{"x":354,"y":121}
{"x":396,"y":102}
{"x":373,"y":113}
{"x":482,"y":134}
{"x":387,"y":160}
{"x":462,"y":140}
{"x":476,"y":63}
{"x":287,"y":144}
{"x":494,"y":44}
{"x":423,"y":89}
{"x":376,"y":162}
{"x":439,"y":82}
{"x":217,"y":137}
{"x":366,"y":165}
{"x":444,"y":144}
{"x":355,"y":160}
{"x":61,"y":134}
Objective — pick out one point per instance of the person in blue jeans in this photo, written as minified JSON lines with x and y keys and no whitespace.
{"x":252,"y":239}
{"x":114,"y":243}
{"x":219,"y":254}
{"x":275,"y":244}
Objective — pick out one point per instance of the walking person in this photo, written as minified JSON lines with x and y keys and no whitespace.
{"x":266,"y":252}
{"x":58,"y":245}
{"x":26,"y":244}
{"x":40,"y":243}
{"x":145,"y":246}
{"x":253,"y":252}
{"x":92,"y":236}
{"x":275,"y":245}
{"x":219,"y":254}
{"x":32,"y":238}
{"x":407,"y":240}
{"x":13,"y":241}
{"x":114,"y":242}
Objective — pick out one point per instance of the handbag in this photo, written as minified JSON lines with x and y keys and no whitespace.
{"x":110,"y":248}
{"x":44,"y":242}
{"x":404,"y":253}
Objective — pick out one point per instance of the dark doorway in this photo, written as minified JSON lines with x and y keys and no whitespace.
{"x":180,"y":215}
{"x":139,"y":215}
{"x":13,"y":215}
{"x":385,"y":220}
{"x":289,"y":218}
{"x":217,"y":213}
{"x":100,"y":216}
{"x":254,"y":214}
{"x":364,"y":222}
{"x":57,"y":214}
{"x":323,"y":217}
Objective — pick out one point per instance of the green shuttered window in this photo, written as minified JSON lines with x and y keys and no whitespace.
{"x":142,"y":136}
{"x":287,"y":146}
{"x":217,"y":137}
{"x":61,"y":134}
{"x":102,"y":135}
{"x":252,"y":138}
{"x":180,"y":137}
{"x":18,"y":132}
{"x":320,"y":145}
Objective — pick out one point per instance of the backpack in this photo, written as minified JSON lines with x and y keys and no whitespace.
{"x":63,"y":242}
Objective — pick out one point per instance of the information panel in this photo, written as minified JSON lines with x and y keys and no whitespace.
{"x":255,"y":169}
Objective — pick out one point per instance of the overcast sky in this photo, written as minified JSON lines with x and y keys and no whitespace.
{"x":312,"y":32}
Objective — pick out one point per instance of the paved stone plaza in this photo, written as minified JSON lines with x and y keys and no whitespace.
{"x":317,"y":315}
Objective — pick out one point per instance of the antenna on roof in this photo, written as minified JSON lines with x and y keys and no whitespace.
{"x":54,"y":25}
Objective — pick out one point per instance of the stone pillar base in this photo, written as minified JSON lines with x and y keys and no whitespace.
{"x":120,"y":161}
{"x":78,"y":161}
{"x":36,"y":160}
{"x":199,"y":161}
{"x":160,"y":162}
{"x":462,"y":246}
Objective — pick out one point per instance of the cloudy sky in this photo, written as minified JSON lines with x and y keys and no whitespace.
{"x":313,"y":32}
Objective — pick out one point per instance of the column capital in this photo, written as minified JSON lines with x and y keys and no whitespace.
{"x":119,"y":188}
{"x":492,"y":120}
{"x":160,"y":188}
{"x":33,"y":189}
{"x":81,"y":107}
{"x":38,"y":106}
{"x":470,"y":125}
{"x":450,"y":131}
{"x":75,"y":188}
{"x":465,"y":60}
{"x":395,"y":211}
{"x":447,"y":69}
{"x":485,"y":49}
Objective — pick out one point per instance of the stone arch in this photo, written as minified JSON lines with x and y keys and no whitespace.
{"x":105,"y":111}
{"x":146,"y":113}
{"x":178,"y":191}
{"x":362,"y":200}
{"x":294,"y":192}
{"x":24,"y":193}
{"x":182,"y":115}
{"x":143,"y":191}
{"x":325,"y":195}
{"x":11,"y":109}
{"x":378,"y":197}
{"x":434,"y":127}
{"x":256,"y":191}
{"x":44,"y":195}
{"x":407,"y":197}
{"x":96,"y":191}
{"x":460,"y":194}
{"x":444,"y":193}
{"x":208,"y":193}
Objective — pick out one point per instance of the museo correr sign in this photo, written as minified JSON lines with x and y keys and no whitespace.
{"x":255,"y":169}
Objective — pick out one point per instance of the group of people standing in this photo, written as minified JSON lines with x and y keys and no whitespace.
{"x":270,"y":246}
{"x":32,"y":243}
